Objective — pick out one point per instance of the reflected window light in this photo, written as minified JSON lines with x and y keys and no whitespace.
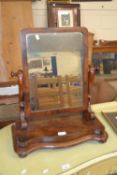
{"x":37,"y":37}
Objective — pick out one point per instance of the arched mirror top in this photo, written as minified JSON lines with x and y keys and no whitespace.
{"x":55,"y":68}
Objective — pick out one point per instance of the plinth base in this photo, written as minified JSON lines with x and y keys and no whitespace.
{"x":56,"y":132}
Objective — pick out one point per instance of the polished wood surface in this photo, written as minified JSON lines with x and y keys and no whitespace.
{"x":57,"y":132}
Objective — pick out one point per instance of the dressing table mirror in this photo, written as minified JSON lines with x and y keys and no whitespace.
{"x":54,"y":91}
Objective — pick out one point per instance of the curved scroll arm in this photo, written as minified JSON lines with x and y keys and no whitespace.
{"x":91,"y":78}
{"x":19,"y":74}
{"x":91,"y":74}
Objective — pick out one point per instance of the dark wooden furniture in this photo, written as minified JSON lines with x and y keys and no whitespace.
{"x":105,"y":46}
{"x":9,"y":108}
{"x":63,"y":15}
{"x":64,"y":53}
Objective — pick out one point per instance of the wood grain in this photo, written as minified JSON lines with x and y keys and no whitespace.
{"x":15,"y":16}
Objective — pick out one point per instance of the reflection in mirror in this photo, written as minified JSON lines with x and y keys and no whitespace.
{"x":55,"y":64}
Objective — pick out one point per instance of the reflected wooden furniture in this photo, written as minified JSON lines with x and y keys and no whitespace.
{"x":74,"y":90}
{"x":9,"y":108}
{"x":56,"y":92}
{"x":50,"y":92}
{"x":58,"y":127}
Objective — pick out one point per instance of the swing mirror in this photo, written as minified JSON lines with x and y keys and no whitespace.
{"x":54,"y":110}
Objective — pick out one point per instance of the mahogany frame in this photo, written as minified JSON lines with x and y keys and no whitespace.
{"x":29,"y":134}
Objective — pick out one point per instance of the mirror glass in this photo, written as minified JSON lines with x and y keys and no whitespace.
{"x":55,"y":67}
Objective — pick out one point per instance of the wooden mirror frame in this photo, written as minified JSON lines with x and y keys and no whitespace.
{"x":69,"y":126}
{"x":26,"y":83}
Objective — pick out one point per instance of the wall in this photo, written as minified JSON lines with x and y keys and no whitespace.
{"x":98,"y":17}
{"x":39,"y":10}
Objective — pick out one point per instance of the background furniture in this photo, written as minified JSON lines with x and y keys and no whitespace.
{"x":103,"y":91}
{"x":104,"y":59}
{"x":83,"y":158}
{"x":105,"y":46}
{"x":9,"y":107}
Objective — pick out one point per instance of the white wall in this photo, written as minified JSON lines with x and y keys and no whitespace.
{"x":39,"y":9}
{"x":99,"y":17}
